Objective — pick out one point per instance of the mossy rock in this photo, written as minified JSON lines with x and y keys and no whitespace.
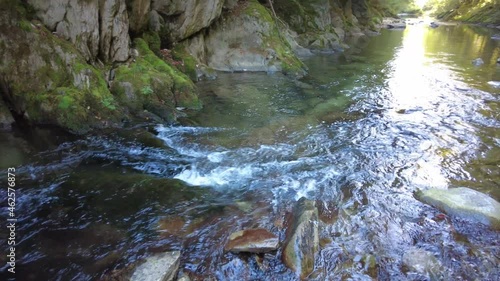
{"x":188,"y":62}
{"x":57,"y":86}
{"x":151,"y":84}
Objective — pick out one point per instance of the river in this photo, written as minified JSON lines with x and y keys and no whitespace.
{"x":402,"y":111}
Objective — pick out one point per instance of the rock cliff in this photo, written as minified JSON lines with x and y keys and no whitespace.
{"x":83,"y":64}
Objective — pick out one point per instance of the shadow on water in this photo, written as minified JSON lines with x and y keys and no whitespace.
{"x":402,"y":111}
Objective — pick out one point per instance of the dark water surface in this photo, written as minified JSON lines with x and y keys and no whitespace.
{"x":402,"y":111}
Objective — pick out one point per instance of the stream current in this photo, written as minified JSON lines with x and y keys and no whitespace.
{"x":402,"y":111}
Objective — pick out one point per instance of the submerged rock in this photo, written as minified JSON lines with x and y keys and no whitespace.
{"x":464,"y":202}
{"x":423,"y":262}
{"x":161,"y":267}
{"x":396,"y":26}
{"x":302,"y":241}
{"x":258,"y":240}
{"x":478,"y":62}
{"x":433,"y":25}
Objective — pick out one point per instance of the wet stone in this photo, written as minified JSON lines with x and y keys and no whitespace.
{"x":423,"y":262}
{"x":161,"y":267}
{"x":256,"y":240}
{"x":465,"y":203}
{"x":302,"y":241}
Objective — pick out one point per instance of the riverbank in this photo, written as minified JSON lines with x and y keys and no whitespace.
{"x":84,"y":66}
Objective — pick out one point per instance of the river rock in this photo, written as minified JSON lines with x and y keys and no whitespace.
{"x":161,"y":267}
{"x":396,"y":26}
{"x":464,"y":202}
{"x":258,"y":240}
{"x":423,"y":262}
{"x":478,"y":62}
{"x":302,"y":240}
{"x":495,"y":84}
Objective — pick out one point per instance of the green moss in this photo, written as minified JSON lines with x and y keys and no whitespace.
{"x":153,"y":85}
{"x":153,"y":41}
{"x":66,"y":102}
{"x":188,"y":67}
{"x":25,"y":25}
{"x":184,"y":89}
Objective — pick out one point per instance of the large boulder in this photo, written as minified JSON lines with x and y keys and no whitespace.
{"x":302,"y":240}
{"x":161,"y":267}
{"x":98,"y":28}
{"x":246,"y":39}
{"x":257,"y":240}
{"x":464,"y":202}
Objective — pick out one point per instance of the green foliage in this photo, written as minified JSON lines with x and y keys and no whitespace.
{"x":146,"y":90}
{"x":477,"y":11}
{"x":108,"y":102}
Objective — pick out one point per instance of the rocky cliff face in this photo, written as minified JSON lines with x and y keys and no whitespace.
{"x":73,"y":63}
{"x":98,"y":28}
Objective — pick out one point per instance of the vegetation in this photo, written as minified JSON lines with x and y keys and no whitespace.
{"x":477,"y":11}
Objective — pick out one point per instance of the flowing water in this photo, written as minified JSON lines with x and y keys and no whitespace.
{"x":398,"y":112}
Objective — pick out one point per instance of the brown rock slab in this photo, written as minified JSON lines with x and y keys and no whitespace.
{"x":302,"y":241}
{"x":257,"y":240}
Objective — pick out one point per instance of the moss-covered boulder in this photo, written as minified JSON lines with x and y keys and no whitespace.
{"x":246,"y":39}
{"x":151,"y":84}
{"x":464,"y":202}
{"x":46,"y":80}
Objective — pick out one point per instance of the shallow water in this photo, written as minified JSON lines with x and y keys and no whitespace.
{"x":399,"y":112}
